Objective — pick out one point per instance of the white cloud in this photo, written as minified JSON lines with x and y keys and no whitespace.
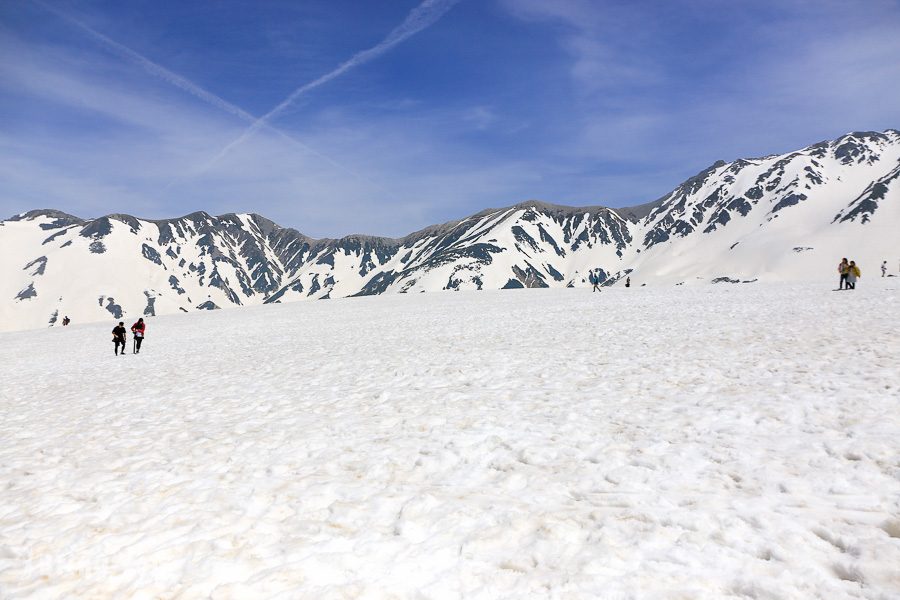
{"x":480,"y":117}
{"x":781,"y":76}
{"x":603,"y":41}
{"x":123,"y":135}
{"x":421,"y":17}
{"x":92,"y":134}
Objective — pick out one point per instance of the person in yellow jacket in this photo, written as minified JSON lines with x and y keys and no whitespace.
{"x":853,"y":274}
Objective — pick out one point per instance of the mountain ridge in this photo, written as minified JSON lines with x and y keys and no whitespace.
{"x":780,"y":217}
{"x":717,"y":163}
{"x":125,"y":218}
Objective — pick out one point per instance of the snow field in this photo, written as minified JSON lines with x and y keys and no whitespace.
{"x":729,"y":441}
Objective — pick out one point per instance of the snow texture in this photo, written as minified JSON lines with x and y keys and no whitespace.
{"x":729,"y":441}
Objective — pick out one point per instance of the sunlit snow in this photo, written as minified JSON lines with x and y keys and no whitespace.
{"x":704,"y":442}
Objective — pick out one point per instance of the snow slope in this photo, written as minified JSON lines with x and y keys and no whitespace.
{"x":660,"y":442}
{"x":789,"y":217}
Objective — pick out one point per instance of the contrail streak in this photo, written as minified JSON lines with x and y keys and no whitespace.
{"x":187,"y":85}
{"x":421,"y":17}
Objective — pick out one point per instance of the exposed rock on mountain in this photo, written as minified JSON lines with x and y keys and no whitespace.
{"x":773,"y":218}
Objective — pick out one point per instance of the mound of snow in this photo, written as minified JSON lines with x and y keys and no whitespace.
{"x":703,"y":442}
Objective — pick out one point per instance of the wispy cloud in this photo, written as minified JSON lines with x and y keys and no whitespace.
{"x":571,"y":101}
{"x":753,"y":79}
{"x":481,"y":117}
{"x":140,"y":132}
{"x":421,"y":17}
{"x":150,"y":66}
{"x":605,"y":42}
{"x":186,"y":85}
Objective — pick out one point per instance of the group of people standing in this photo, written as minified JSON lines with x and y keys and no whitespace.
{"x":596,"y":280}
{"x":137,"y":332}
{"x":849,"y":273}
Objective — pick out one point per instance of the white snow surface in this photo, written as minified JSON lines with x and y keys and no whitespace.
{"x":737,"y":441}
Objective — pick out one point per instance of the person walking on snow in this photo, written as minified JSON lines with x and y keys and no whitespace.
{"x":595,"y":280}
{"x":843,"y":269}
{"x":118,"y":338}
{"x":853,"y":274}
{"x":137,"y":330}
{"x":884,"y":269}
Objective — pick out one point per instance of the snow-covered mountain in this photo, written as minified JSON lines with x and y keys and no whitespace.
{"x":783,"y":217}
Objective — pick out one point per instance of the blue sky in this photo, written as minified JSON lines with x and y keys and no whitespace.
{"x":147,"y":107}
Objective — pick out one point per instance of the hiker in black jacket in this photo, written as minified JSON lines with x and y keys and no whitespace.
{"x":118,"y":338}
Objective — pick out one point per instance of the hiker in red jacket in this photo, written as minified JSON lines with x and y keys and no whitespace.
{"x":137,"y":331}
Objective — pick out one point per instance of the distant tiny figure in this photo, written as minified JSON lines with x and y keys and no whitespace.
{"x":853,"y":273}
{"x":66,"y":320}
{"x":884,"y":269}
{"x":595,"y":280}
{"x":137,"y":332}
{"x":628,"y":282}
{"x":118,"y":338}
{"x":844,"y":270}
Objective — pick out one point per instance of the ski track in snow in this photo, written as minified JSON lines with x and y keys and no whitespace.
{"x":724,"y":441}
